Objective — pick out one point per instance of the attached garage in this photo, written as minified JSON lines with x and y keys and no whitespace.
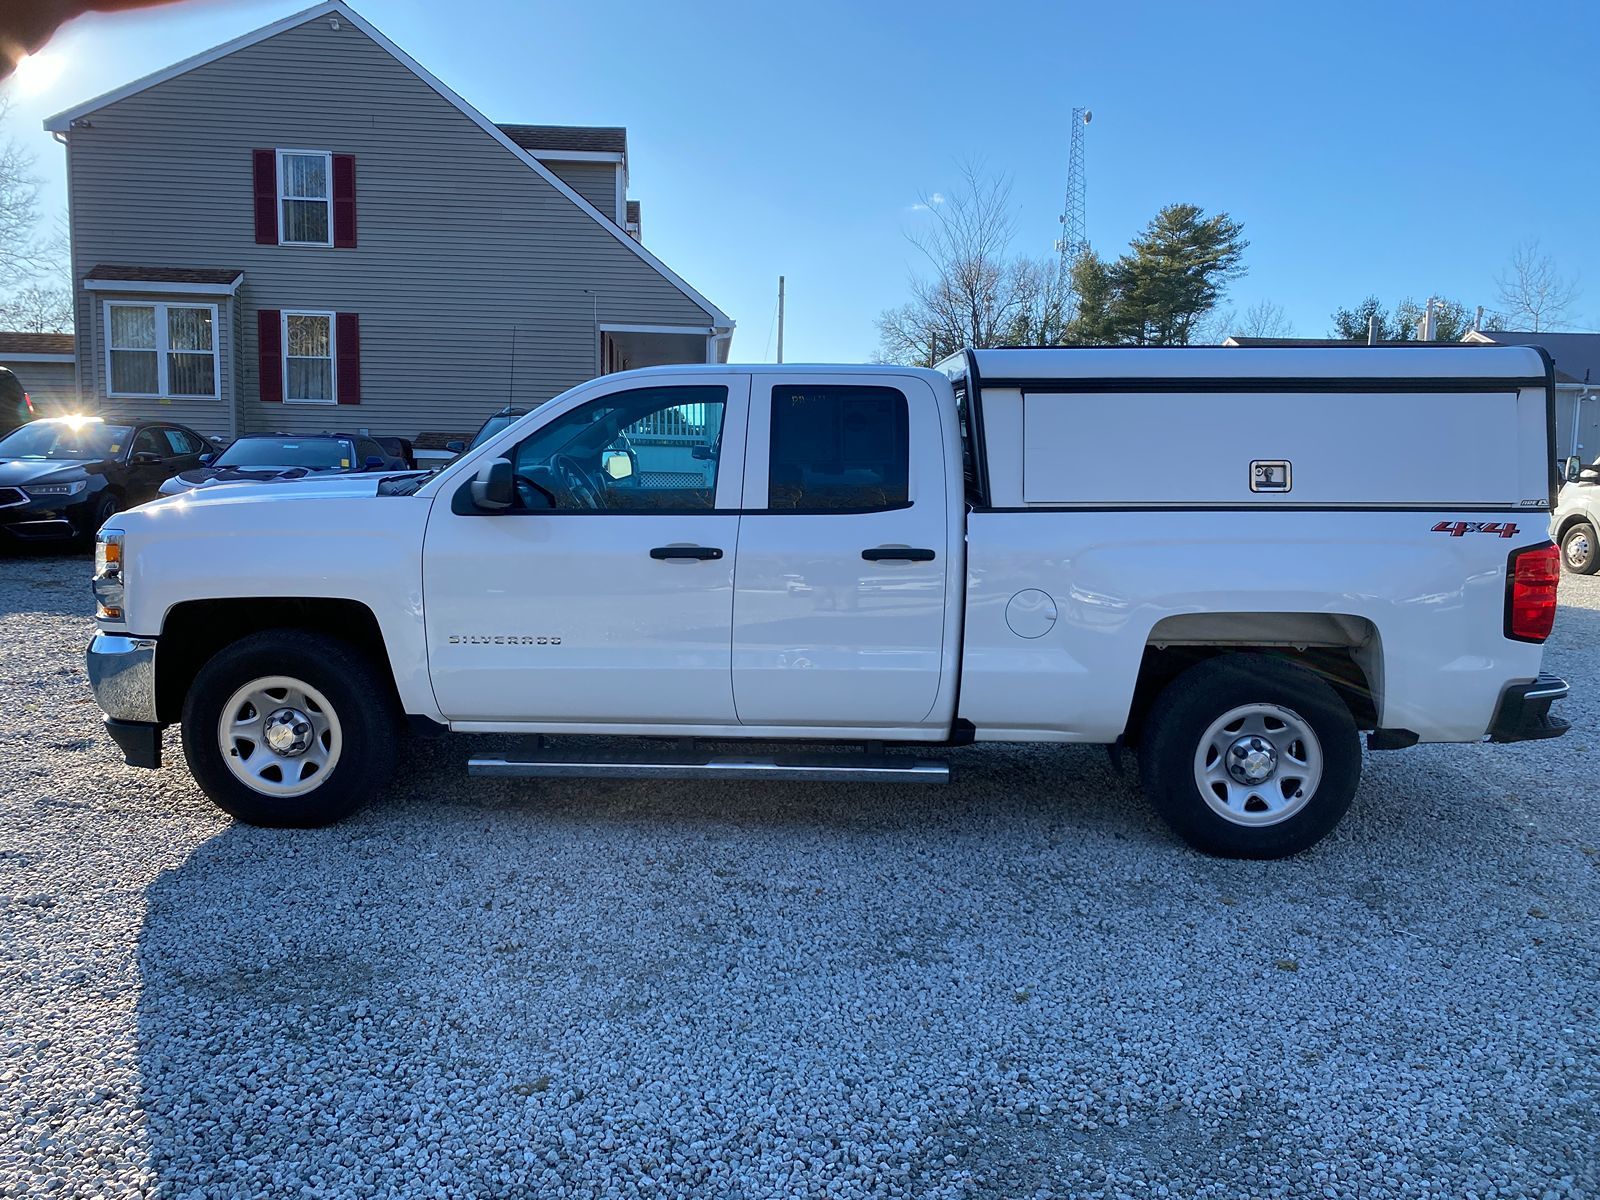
{"x":45,"y":364}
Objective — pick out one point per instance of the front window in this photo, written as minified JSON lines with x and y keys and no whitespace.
{"x":305,"y":198}
{"x":648,"y":450}
{"x":162,"y":350}
{"x":317,"y":454}
{"x":308,"y":358}
{"x":81,"y":440}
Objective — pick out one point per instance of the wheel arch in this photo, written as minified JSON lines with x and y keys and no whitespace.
{"x":195,"y":630}
{"x":1568,"y":521}
{"x":1344,"y":650}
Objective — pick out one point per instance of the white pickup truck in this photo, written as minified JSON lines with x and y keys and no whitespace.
{"x":1230,"y":560}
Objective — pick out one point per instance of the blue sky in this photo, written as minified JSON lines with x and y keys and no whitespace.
{"x":1400,"y":149}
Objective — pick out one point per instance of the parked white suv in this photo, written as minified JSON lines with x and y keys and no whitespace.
{"x":1577,"y":517}
{"x":1223,"y":558}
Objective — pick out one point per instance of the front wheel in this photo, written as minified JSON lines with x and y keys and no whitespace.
{"x":1579,"y":550}
{"x":1247,"y":756}
{"x":106,"y":507}
{"x":289,"y":728}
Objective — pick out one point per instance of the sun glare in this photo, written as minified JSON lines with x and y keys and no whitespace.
{"x":36,"y":72}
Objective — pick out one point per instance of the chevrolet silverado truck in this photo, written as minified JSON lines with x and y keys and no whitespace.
{"x":1225,"y":560}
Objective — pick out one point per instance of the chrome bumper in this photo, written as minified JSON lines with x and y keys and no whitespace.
{"x":122,"y":672}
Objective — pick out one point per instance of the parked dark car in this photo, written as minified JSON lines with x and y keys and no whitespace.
{"x":489,"y":428}
{"x":259,"y":457}
{"x":15,"y":406}
{"x":61,"y":478}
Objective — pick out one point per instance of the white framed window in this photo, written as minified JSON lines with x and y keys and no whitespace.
{"x":161,"y":351}
{"x":305,"y":198}
{"x":308,"y":348}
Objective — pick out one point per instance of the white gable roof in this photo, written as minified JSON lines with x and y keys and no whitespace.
{"x":62,"y":122}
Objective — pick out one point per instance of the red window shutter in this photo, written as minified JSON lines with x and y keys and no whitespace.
{"x":265,"y":163}
{"x":347,"y":334}
{"x":344,"y":201}
{"x":269,"y":325}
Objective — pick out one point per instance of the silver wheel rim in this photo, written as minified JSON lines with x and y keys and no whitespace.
{"x":279,"y":736}
{"x":1578,"y":550}
{"x":1258,"y":764}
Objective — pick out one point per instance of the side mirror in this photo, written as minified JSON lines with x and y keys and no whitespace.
{"x":456,"y":446}
{"x":703,"y":453}
{"x":1574,"y":464}
{"x":207,"y":459}
{"x":373,"y":462}
{"x":145,"y":459}
{"x":617,"y":464}
{"x":492,"y":490}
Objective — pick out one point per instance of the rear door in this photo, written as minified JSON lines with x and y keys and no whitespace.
{"x":840,"y":590}
{"x":148,"y":458}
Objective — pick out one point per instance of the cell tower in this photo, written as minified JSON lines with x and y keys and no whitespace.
{"x":1074,"y":229}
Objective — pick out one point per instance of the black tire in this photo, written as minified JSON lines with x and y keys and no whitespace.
{"x":1580,"y":549}
{"x":357,"y":692}
{"x":1177,"y":726}
{"x":107,"y":506}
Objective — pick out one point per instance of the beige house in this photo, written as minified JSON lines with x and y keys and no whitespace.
{"x":303,"y":229}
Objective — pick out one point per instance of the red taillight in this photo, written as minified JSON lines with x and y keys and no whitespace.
{"x":28,"y":400}
{"x":1531,"y":578}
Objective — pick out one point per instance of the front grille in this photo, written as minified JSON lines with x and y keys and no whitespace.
{"x":10,"y":496}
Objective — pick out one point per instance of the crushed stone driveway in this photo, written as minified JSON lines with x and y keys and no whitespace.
{"x":1019,"y":985}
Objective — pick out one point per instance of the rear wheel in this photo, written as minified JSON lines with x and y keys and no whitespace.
{"x":1580,"y":552}
{"x":289,"y":728}
{"x":1248,"y":756}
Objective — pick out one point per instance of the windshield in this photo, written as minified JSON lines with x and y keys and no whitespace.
{"x":65,"y":440}
{"x":318,"y":454}
{"x":491,"y":427}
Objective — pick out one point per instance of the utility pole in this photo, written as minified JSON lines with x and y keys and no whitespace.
{"x":780,"y":318}
{"x":1425,"y":326}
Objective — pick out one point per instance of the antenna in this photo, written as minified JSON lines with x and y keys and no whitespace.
{"x":511,"y":374}
{"x":1074,"y":223}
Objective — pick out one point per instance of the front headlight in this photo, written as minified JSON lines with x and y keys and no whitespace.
{"x":107,"y":583}
{"x":56,"y":489}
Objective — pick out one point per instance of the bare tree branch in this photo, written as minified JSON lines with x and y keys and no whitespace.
{"x":1534,"y":294}
{"x":978,"y":293}
{"x":1265,"y":319}
{"x":38,"y":309}
{"x":23,"y":255}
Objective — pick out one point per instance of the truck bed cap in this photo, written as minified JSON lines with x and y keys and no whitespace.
{"x":1517,"y":365}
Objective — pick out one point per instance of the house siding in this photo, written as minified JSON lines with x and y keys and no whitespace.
{"x":595,"y":182}
{"x":460,"y":243}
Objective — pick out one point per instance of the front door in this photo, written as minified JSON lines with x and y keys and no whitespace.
{"x":844,"y":551}
{"x":604,"y":596}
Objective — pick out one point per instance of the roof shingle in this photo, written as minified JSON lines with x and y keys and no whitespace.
{"x":165,"y":274}
{"x":602,"y":139}
{"x":16,"y":342}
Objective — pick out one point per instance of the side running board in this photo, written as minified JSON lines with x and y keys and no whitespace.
{"x":674,"y":764}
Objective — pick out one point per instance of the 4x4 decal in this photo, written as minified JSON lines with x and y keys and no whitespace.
{"x":1505,"y":529}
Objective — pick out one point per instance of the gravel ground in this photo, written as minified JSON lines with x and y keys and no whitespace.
{"x":1017,"y":986}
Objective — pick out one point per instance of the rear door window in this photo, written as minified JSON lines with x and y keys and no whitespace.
{"x":839,"y":448}
{"x":181,"y":441}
